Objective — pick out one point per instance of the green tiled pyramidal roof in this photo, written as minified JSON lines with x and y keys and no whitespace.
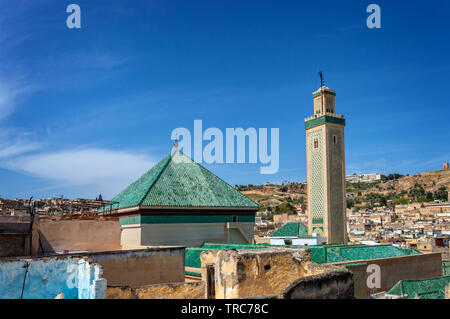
{"x":177,"y":181}
{"x":291,"y":229}
{"x":433,"y":288}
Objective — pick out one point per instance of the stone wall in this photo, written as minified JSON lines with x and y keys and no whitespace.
{"x":79,"y":234}
{"x":135,"y":268}
{"x":249,"y":274}
{"x":274,"y":271}
{"x":188,"y":290}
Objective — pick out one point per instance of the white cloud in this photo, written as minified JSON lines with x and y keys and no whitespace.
{"x":102,"y":171}
{"x":17,"y":149}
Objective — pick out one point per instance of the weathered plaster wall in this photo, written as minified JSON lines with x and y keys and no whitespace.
{"x":75,"y":276}
{"x":247,"y":273}
{"x":136,"y":268}
{"x":394,"y":269}
{"x":89,"y":234}
{"x":188,"y":290}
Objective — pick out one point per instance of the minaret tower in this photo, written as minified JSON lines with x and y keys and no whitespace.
{"x":325,"y":158}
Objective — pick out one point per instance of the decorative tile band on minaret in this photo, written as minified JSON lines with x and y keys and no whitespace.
{"x":325,"y":152}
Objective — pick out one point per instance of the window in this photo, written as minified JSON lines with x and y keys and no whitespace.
{"x":234,"y":219}
{"x":334,"y":139}
{"x":316,"y":143}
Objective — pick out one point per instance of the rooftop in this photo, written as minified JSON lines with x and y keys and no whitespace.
{"x":178,"y":182}
{"x":291,"y":229}
{"x":433,"y":288}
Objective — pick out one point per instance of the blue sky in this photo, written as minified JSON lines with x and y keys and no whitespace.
{"x":87,"y":111}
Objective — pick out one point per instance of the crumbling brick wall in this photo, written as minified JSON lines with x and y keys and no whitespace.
{"x":182,"y":290}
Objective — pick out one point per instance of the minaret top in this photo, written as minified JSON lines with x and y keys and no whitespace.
{"x":324,"y":107}
{"x":324,"y":101}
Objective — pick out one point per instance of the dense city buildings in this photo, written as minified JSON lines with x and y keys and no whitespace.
{"x":363,"y":178}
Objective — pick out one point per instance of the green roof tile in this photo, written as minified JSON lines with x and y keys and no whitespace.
{"x":361,"y":252}
{"x":433,"y":288}
{"x":291,"y":230}
{"x":177,"y":181}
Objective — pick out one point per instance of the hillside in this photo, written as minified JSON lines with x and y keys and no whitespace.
{"x":431,"y":181}
{"x":422,"y":187}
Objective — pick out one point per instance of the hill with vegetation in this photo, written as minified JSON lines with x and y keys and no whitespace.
{"x":393,"y":189}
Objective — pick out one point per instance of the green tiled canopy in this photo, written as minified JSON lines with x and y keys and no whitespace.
{"x":178,"y":182}
{"x":291,"y":230}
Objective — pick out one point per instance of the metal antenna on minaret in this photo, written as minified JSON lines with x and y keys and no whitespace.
{"x":322,"y":84}
{"x":322,"y":79}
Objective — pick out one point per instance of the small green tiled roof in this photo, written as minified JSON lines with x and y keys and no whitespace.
{"x":177,"y":181}
{"x":291,"y":230}
{"x":433,"y":288}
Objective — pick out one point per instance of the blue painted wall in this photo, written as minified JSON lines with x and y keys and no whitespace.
{"x":76,"y":277}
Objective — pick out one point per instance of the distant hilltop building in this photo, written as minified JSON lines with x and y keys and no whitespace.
{"x":325,"y":154}
{"x":363,"y":178}
{"x":445,"y":166}
{"x":179,"y":202}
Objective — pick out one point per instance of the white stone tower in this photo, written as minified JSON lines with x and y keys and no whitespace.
{"x":325,"y":152}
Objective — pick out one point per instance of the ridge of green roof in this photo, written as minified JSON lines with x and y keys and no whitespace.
{"x":356,"y":252}
{"x":291,"y":229}
{"x":178,"y":181}
{"x":431,"y":288}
